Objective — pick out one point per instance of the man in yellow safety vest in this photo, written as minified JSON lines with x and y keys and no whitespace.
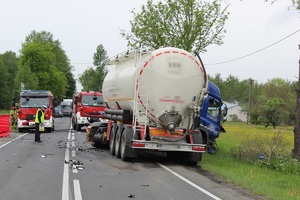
{"x":39,"y":120}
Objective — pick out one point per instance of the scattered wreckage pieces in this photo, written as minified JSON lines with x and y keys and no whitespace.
{"x":75,"y":164}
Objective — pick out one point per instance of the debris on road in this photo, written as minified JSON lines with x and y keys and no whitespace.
{"x":75,"y":164}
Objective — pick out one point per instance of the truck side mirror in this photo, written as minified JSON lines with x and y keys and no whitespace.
{"x":225,"y":110}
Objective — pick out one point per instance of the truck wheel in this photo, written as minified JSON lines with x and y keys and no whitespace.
{"x":48,"y":130}
{"x":117,"y":143}
{"x":125,"y":148}
{"x":112,"y":141}
{"x":193,"y":158}
{"x":78,"y":127}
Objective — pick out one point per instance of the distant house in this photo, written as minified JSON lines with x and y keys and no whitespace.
{"x":235,"y":112}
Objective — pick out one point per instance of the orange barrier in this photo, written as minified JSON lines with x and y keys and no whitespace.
{"x":4,"y":126}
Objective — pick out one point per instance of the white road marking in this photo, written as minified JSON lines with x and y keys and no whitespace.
{"x":77,"y":190}
{"x":3,"y":145}
{"x":75,"y":170}
{"x":191,"y":183}
{"x":66,"y":177}
{"x":65,"y":187}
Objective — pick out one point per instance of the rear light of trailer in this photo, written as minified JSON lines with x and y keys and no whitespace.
{"x":137,"y":144}
{"x":198,"y":148}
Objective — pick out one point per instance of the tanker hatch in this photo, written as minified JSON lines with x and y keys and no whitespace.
{"x":170,"y":120}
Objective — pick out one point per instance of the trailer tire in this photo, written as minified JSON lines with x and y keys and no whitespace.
{"x":118,"y":143}
{"x":127,"y":153}
{"x":112,"y":141}
{"x":193,"y":158}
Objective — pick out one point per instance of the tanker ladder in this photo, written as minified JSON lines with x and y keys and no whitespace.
{"x":140,"y":120}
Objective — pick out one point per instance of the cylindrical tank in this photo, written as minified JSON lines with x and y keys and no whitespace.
{"x":161,"y":84}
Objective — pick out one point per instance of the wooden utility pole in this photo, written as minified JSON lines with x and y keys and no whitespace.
{"x":250,"y":100}
{"x":296,"y":150}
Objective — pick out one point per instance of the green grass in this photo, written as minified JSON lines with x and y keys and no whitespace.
{"x":257,"y":179}
{"x":4,"y":112}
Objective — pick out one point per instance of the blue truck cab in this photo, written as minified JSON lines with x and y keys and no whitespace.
{"x":212,"y":115}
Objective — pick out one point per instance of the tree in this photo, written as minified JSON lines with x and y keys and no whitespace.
{"x":92,"y":79}
{"x":44,"y":65}
{"x":188,"y":24}
{"x":272,"y":111}
{"x":296,"y":3}
{"x":276,"y":102}
{"x":296,"y":150}
{"x":4,"y":90}
{"x":10,"y":60}
{"x":88,"y":80}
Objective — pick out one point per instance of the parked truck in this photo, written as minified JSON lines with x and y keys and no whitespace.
{"x":153,"y":103}
{"x":29,"y":102}
{"x":66,"y":107}
{"x":212,"y":115}
{"x":88,"y":107}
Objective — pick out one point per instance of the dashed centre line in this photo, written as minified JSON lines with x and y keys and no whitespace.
{"x":66,"y":174}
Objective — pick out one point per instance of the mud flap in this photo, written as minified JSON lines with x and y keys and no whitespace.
{"x":194,"y":157}
{"x":127,"y":153}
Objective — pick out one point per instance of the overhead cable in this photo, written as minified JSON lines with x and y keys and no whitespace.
{"x":250,"y":54}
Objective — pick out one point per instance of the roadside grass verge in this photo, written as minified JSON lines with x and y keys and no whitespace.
{"x":2,"y":112}
{"x":237,"y":160}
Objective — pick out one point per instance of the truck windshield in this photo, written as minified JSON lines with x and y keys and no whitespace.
{"x":33,"y":102}
{"x":213,"y":108}
{"x":66,"y":105}
{"x":92,"y":101}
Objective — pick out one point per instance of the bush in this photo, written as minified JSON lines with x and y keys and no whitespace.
{"x":270,"y":152}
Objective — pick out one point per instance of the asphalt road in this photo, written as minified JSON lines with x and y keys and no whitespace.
{"x":64,"y":166}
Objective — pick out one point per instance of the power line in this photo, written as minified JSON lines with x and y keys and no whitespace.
{"x":250,"y":54}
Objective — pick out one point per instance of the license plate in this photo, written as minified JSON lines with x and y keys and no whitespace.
{"x":31,"y":123}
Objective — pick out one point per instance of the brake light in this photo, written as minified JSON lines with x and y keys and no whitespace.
{"x":137,"y":144}
{"x":198,"y":148}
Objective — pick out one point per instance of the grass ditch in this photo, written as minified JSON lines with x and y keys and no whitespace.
{"x":257,"y":159}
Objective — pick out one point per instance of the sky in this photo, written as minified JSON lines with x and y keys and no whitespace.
{"x":261,"y":41}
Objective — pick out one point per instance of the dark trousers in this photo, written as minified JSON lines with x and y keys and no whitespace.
{"x":37,"y":132}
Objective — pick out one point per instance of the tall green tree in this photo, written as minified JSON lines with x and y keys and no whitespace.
{"x":88,"y":80}
{"x":10,"y":60}
{"x":44,"y":65}
{"x":277,"y":102}
{"x":92,"y":79}
{"x":4,"y":89}
{"x":188,"y":24}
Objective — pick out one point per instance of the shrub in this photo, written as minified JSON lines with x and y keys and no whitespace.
{"x":266,"y":151}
